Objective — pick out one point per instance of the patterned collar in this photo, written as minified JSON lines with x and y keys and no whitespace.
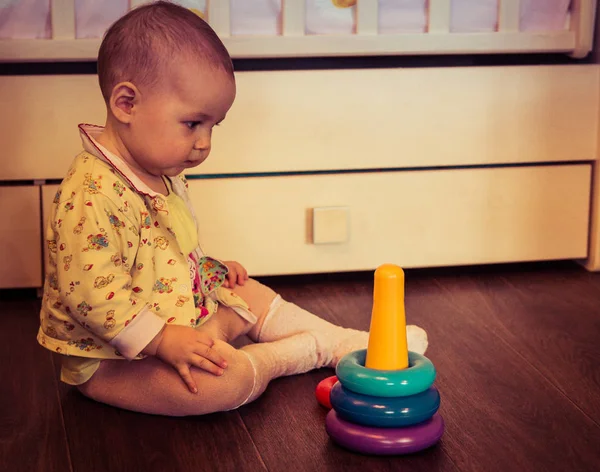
{"x":89,"y":134}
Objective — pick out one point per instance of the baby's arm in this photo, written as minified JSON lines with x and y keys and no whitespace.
{"x":100,"y":242}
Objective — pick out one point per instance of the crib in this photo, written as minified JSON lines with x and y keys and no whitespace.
{"x":70,"y":30}
{"x":345,"y":168}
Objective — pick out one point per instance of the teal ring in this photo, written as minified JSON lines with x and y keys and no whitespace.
{"x":416,"y":378}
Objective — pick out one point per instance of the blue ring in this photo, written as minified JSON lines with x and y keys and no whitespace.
{"x":384,"y":412}
{"x":417,"y":378}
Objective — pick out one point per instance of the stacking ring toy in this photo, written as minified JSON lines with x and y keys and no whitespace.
{"x":323,"y":391}
{"x":384,"y":412}
{"x":353,"y":374}
{"x":384,"y":441}
{"x":384,"y":401}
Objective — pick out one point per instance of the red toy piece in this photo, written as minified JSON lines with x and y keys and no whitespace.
{"x":324,"y":389}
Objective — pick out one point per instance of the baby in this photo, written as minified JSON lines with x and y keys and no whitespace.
{"x":142,"y":316}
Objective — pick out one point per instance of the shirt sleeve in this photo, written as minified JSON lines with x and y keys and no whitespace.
{"x":98,"y":242}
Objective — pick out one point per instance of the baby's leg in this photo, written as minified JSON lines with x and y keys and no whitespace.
{"x":278,"y":319}
{"x":227,"y":325}
{"x":151,"y":386}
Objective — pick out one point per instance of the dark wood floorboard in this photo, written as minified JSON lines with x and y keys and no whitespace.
{"x":552,"y":319}
{"x":501,"y":413}
{"x":32,"y":436}
{"x":517,"y":353}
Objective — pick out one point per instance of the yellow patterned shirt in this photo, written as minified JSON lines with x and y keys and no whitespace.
{"x":118,"y":267}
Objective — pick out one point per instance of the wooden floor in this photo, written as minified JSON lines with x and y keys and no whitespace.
{"x":517,"y":350}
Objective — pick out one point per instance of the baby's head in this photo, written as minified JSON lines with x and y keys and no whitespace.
{"x":167,"y":80}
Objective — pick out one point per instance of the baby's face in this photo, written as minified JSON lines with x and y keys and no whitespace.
{"x":172,"y":128}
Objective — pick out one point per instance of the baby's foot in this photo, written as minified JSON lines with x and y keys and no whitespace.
{"x":331,"y":350}
{"x":417,"y":339}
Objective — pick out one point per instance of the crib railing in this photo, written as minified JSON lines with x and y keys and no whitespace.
{"x":576,"y":41}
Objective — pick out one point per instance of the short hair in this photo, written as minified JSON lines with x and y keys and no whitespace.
{"x":138,"y":46}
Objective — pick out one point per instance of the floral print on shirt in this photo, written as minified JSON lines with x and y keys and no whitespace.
{"x":112,"y":254}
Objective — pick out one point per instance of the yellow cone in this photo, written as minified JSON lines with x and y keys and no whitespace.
{"x":387,"y":349}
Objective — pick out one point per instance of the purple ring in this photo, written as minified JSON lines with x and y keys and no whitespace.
{"x":384,"y":441}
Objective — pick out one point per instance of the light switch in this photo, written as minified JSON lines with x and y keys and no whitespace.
{"x":331,"y":225}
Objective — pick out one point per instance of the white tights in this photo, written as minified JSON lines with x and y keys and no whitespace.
{"x":289,"y":341}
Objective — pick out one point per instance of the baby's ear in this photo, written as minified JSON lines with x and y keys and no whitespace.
{"x":123,"y":99}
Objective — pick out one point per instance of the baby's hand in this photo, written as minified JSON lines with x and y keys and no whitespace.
{"x":182,"y":347}
{"x":237,"y":274}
